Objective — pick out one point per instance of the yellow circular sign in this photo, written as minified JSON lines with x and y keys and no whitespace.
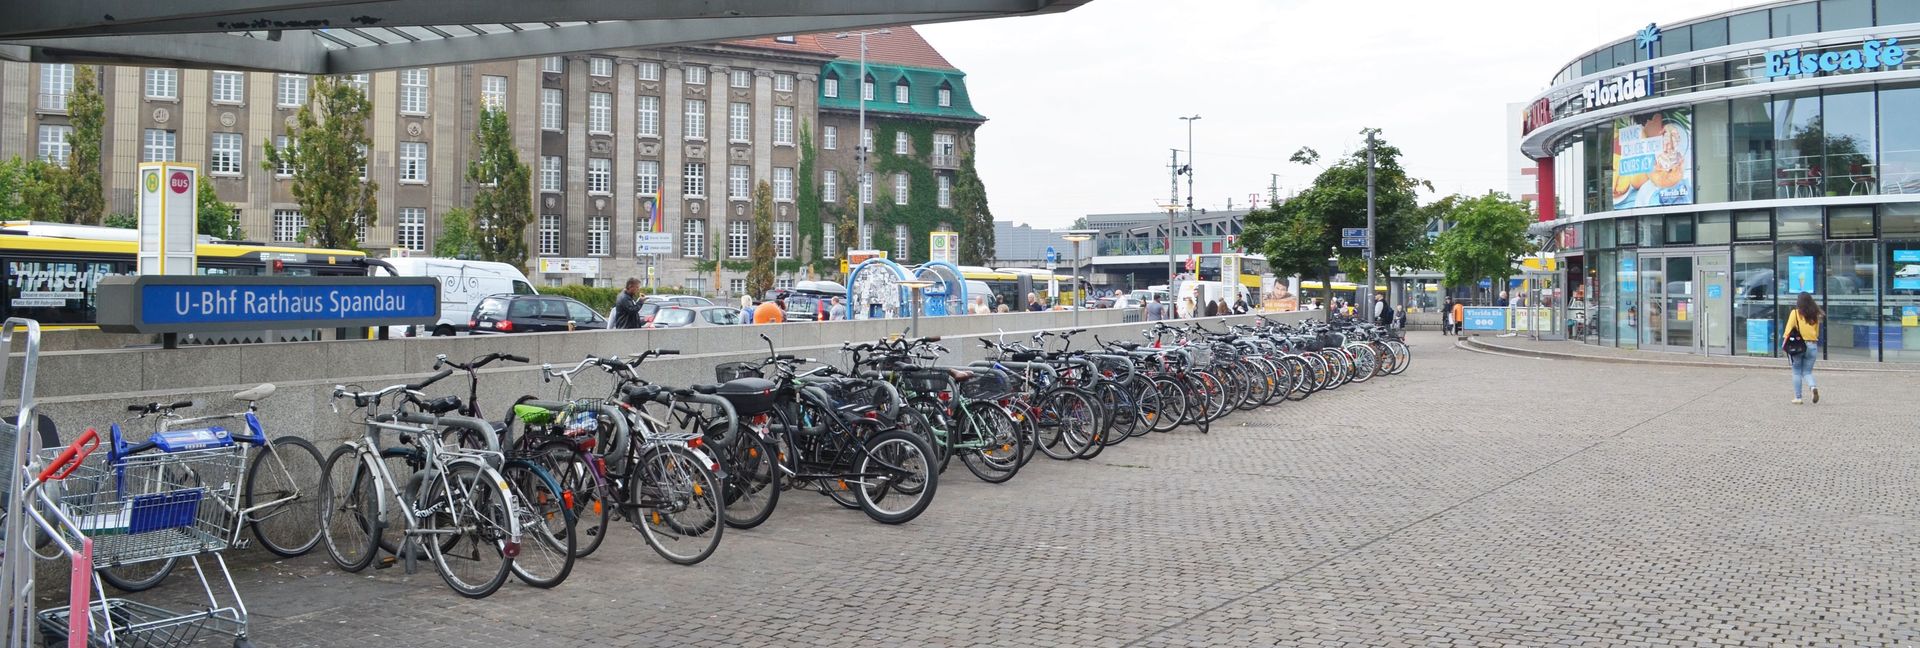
{"x":153,"y":181}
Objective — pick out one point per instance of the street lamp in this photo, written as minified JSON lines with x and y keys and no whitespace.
{"x":1333,"y":266}
{"x":1076,"y":237}
{"x":914,"y":286}
{"x":1189,"y":170}
{"x":861,"y":152}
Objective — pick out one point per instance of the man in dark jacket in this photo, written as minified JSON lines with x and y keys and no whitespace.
{"x":1382,"y":315}
{"x":626,"y":307}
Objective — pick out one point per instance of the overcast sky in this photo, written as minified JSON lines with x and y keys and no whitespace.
{"x":1084,"y":105}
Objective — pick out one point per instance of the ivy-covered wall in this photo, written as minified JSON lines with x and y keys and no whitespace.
{"x":922,"y":214}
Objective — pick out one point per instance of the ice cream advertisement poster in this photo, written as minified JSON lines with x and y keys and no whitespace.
{"x":1653,"y":159}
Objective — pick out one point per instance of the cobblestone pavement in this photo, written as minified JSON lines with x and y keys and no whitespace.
{"x":1476,"y":500}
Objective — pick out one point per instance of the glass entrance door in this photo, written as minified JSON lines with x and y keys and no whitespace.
{"x":1681,"y":312}
{"x":1653,"y":306}
{"x":1714,"y":286}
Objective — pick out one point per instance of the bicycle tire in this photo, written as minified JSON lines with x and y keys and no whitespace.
{"x":691,"y":495}
{"x":349,"y":510}
{"x":548,"y":538}
{"x":940,"y":428}
{"x":473,"y":506}
{"x":593,"y":512}
{"x":1121,"y":418}
{"x":1172,"y":406}
{"x":290,"y":528}
{"x":137,"y":577}
{"x":895,"y":451}
{"x":1146,"y":398}
{"x":753,"y":480}
{"x":998,"y":458}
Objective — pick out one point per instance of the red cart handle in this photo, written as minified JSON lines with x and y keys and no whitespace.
{"x":70,"y":459}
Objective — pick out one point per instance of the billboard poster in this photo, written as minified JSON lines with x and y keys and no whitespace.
{"x":1653,"y":159}
{"x":1799,"y":274}
{"x":1906,"y":269}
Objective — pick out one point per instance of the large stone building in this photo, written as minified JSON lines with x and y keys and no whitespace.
{"x":609,"y":136}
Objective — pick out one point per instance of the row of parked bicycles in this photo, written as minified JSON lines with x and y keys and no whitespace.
{"x":485,"y":492}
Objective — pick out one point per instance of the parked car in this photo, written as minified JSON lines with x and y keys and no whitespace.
{"x":683,"y":300}
{"x":809,"y":301}
{"x":694,"y":317}
{"x":462,"y":285}
{"x":532,"y":314}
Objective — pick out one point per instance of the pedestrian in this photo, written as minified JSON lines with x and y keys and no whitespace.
{"x":1240,"y":307}
{"x":1382,"y":314}
{"x":1186,"y":308}
{"x":1004,"y":309}
{"x":1156,"y":310}
{"x":1459,"y":317}
{"x":1211,"y":310}
{"x":1503,"y":300}
{"x":626,"y":307}
{"x":1033,"y":303}
{"x":1446,"y":317}
{"x":1802,"y":344}
{"x":746,"y":308}
{"x":770,"y":312}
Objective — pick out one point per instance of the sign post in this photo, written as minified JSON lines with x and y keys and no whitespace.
{"x":944,"y":246}
{"x":169,"y":215}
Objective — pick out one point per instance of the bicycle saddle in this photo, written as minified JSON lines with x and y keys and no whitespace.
{"x":707,"y":388}
{"x":257,"y":393}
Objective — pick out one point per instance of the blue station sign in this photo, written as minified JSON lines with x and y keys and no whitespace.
{"x":192,"y":304}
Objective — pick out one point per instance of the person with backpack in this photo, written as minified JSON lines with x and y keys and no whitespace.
{"x":1802,"y":344}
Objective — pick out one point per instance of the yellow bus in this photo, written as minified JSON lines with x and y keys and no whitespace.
{"x":52,"y":269}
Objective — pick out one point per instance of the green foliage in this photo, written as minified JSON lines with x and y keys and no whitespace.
{"x":19,"y":179}
{"x":456,"y":236}
{"x":808,"y":228}
{"x":922,"y":213}
{"x":600,"y":298}
{"x":325,"y":151}
{"x":1484,"y":237}
{"x":217,"y":218}
{"x":122,"y":220}
{"x":504,"y":204}
{"x":1297,"y":235}
{"x":760,"y":274}
{"x":976,"y":218}
{"x":82,"y":187}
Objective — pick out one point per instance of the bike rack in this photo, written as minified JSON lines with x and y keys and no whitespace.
{"x":16,"y":579}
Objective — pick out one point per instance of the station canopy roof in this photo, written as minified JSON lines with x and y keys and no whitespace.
{"x":350,"y":36}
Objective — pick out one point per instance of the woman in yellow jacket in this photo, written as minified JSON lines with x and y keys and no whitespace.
{"x":1805,"y":318}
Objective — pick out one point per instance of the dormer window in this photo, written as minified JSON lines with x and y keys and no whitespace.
{"x":946,"y":94}
{"x":902,"y":93}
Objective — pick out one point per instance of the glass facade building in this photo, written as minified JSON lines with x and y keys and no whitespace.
{"x":1700,"y":176}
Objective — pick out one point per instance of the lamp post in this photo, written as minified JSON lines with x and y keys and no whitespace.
{"x":1333,"y":266}
{"x":1189,"y":170}
{"x":1076,"y":237}
{"x":914,"y":286}
{"x":861,"y":152}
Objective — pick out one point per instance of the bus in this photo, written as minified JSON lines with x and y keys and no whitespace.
{"x":52,"y":269}
{"x":1011,"y":285}
{"x":1342,"y":290}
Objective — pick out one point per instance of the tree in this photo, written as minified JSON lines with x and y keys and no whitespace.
{"x":456,"y":236}
{"x":81,"y":185}
{"x":122,"y":220}
{"x":760,"y":278}
{"x":326,"y":150}
{"x":976,"y":218}
{"x":1484,"y":236}
{"x":18,"y":179}
{"x":503,"y":207}
{"x":217,"y":218}
{"x":1298,"y":234}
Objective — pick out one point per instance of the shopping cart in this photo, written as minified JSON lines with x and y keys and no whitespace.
{"x":174,"y":496}
{"x":19,"y":445}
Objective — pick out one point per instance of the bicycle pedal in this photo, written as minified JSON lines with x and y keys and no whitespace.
{"x":386,"y":562}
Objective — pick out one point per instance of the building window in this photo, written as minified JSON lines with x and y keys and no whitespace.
{"x":696,"y":126}
{"x":866,"y":141}
{"x":737,"y":239}
{"x":361,"y":150}
{"x":549,"y":234}
{"x":649,"y":115}
{"x":741,"y":78}
{"x":946,"y":97}
{"x":549,"y":173}
{"x":783,"y":239}
{"x":163,"y":83}
{"x":598,"y":232}
{"x":696,"y":75}
{"x":53,"y":143}
{"x":866,"y":188}
{"x":413,"y":91}
{"x":943,"y":150}
{"x":647,"y":70}
{"x":902,"y":237}
{"x":290,"y":90}
{"x":737,"y":286}
{"x":830,"y":138}
{"x":783,"y":82}
{"x":830,"y":87}
{"x":226,"y":154}
{"x":866,"y":89}
{"x":693,"y":238}
{"x":830,"y":187}
{"x":945,"y":196}
{"x":551,"y":110}
{"x":599,"y":112}
{"x":783,"y":125}
{"x":829,"y":241}
{"x":599,"y":175}
{"x":900,"y":188}
{"x":693,"y":180}
{"x":600,"y":66}
{"x":159,"y":146}
{"x":553,"y":64}
{"x":900,"y":145}
{"x":413,"y":161}
{"x":229,"y":87}
{"x":284,"y":168}
{"x":288,"y":226}
{"x":359,"y":81}
{"x":493,"y":91}
{"x":739,"y":122}
{"x":56,"y":82}
{"x":783,"y":184}
{"x":647,"y":177}
{"x":866,"y":237}
{"x":411,"y":232}
{"x":739,"y":182}
{"x":902,"y":92}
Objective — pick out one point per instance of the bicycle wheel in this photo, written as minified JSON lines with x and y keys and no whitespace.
{"x":349,"y":510}
{"x":1049,"y":432}
{"x":137,"y":577}
{"x":1118,"y":423}
{"x":1364,"y":362}
{"x":1171,"y":407}
{"x":471,"y":507}
{"x":548,"y":541}
{"x":1403,"y":357}
{"x":998,"y":444}
{"x":753,"y":481}
{"x":1146,"y":404}
{"x":898,"y":479}
{"x":1215,"y":393}
{"x":1302,"y":371}
{"x":403,"y":465}
{"x":282,"y":494}
{"x":676,"y":500}
{"x":927,"y":412}
{"x":592,"y":498}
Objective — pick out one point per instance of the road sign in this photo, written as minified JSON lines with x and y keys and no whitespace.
{"x":1353,"y":242}
{"x":1353,"y":232}
{"x":1053,"y":257}
{"x":196,"y":303}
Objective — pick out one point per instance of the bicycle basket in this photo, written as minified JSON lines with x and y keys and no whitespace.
{"x":924,"y":381}
{"x":729,"y":371}
{"x":985,"y":385}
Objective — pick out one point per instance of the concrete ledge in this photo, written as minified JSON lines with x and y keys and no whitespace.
{"x":1476,"y":343}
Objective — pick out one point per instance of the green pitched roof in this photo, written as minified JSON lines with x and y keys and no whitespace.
{"x":923,"y":97}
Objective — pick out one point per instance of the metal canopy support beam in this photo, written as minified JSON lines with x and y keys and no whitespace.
{"x":126,"y":17}
{"x":225,"y":51}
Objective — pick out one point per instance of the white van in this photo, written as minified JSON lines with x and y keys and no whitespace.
{"x":462,"y":285}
